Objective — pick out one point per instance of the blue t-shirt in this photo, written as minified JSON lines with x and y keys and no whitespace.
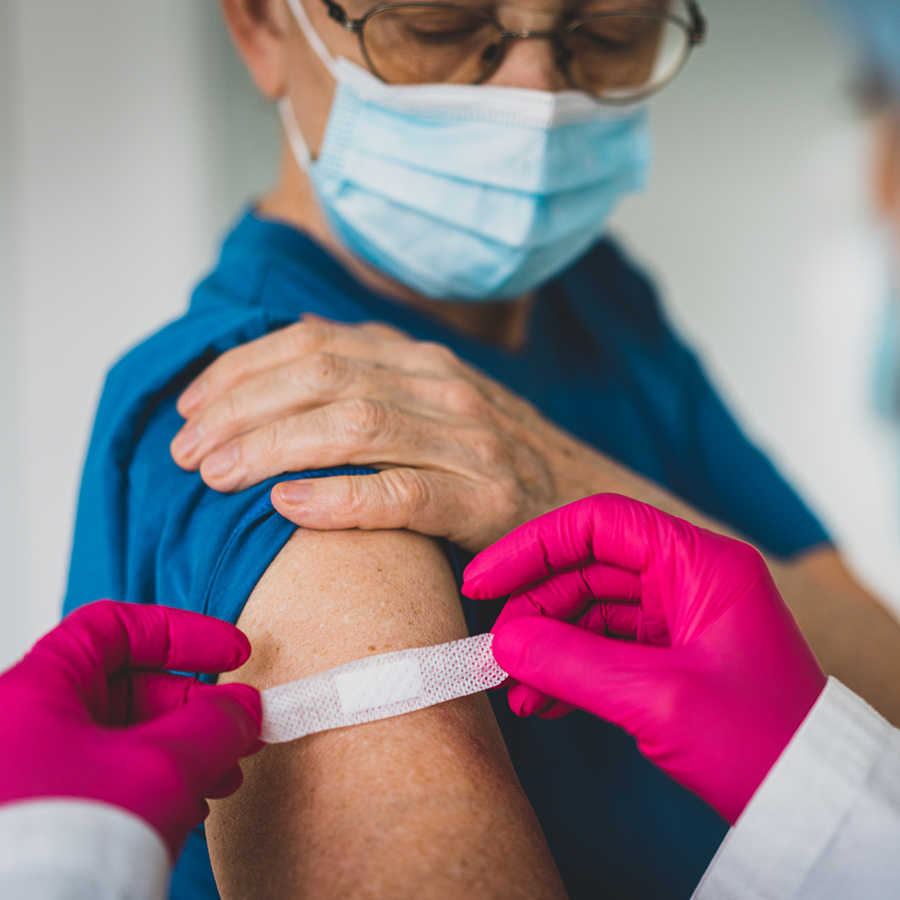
{"x":601,"y":361}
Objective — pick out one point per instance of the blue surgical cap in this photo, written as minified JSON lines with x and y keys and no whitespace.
{"x":874,"y":27}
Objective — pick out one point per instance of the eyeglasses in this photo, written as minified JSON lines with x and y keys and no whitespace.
{"x":619,"y":56}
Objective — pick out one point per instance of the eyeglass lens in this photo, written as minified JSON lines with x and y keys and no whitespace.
{"x":616,"y":56}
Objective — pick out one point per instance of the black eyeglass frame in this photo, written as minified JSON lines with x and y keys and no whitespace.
{"x":696,"y":31}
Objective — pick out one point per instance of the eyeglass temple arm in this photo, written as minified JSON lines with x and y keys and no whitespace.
{"x":339,"y":14}
{"x":698,"y":21}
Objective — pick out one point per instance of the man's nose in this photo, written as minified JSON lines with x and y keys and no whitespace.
{"x":530,"y":63}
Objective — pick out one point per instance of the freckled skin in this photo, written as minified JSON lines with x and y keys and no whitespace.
{"x":424,"y":805}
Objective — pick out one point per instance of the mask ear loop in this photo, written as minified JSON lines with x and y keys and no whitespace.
{"x":292,"y":132}
{"x":312,"y":36}
{"x":285,"y":108}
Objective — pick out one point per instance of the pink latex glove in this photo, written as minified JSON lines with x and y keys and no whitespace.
{"x":716,"y":676}
{"x":65,"y":707}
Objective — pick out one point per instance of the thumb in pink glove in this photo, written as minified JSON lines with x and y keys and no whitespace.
{"x":715,"y":677}
{"x":87,"y":714}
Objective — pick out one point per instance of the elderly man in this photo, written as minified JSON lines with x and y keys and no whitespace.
{"x":448,"y":170}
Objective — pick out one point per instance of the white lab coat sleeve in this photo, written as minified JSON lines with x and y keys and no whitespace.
{"x":60,"y":849}
{"x":825,"y":823}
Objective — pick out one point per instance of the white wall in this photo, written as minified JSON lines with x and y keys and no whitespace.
{"x":757,"y":226}
{"x":129,"y":136}
{"x":131,"y":148}
{"x":12,"y":620}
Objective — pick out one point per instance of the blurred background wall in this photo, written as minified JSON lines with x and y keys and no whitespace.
{"x":130,"y":137}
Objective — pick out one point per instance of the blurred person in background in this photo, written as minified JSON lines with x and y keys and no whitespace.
{"x":471,"y":352}
{"x":874,"y":31}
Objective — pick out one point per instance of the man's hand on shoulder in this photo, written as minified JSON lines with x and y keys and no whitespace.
{"x":461,"y":456}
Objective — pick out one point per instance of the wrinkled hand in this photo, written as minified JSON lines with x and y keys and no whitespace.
{"x":86,"y":715}
{"x":715,"y":676}
{"x":460,"y":456}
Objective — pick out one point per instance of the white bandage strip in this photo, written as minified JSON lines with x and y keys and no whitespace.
{"x":379,"y":687}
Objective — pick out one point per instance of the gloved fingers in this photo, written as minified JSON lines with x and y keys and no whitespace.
{"x":557,"y":709}
{"x":210,"y":732}
{"x":583,"y":596}
{"x":100,"y":638}
{"x":611,"y":619}
{"x":611,"y":679}
{"x":227,"y":784}
{"x":140,"y":697}
{"x":160,"y":637}
{"x":137,"y":696}
{"x":569,"y":594}
{"x":525,"y":700}
{"x":606,"y":527}
{"x":155,"y":694}
{"x":614,"y":619}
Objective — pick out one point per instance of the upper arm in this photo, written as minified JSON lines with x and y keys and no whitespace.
{"x":852,"y":634}
{"x":424,"y":804}
{"x":331,"y":597}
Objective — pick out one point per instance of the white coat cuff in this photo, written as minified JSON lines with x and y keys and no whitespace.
{"x":60,"y":849}
{"x":788,"y":823}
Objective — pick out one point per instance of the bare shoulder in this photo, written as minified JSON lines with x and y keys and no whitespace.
{"x":330,"y":597}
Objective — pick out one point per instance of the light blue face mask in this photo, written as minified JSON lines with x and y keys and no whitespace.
{"x":467,"y":192}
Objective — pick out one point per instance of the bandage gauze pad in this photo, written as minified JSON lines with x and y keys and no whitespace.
{"x":379,"y":687}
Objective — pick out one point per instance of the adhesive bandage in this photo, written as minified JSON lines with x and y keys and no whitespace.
{"x":379,"y":687}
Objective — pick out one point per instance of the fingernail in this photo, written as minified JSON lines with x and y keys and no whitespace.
{"x":535,"y":705}
{"x":521,"y":700}
{"x":222,"y":461}
{"x":294,"y":492}
{"x":472,"y":587}
{"x":193,"y":396}
{"x":520,"y":706}
{"x":187,"y":440}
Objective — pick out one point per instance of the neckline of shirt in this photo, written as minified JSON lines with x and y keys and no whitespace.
{"x":285,"y":243}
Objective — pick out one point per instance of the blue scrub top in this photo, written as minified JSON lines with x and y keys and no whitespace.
{"x":601,"y":361}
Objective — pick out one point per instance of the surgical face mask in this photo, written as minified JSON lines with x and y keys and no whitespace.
{"x":467,"y":192}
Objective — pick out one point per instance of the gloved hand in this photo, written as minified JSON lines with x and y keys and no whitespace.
{"x":64,"y":708}
{"x":716,"y":676}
